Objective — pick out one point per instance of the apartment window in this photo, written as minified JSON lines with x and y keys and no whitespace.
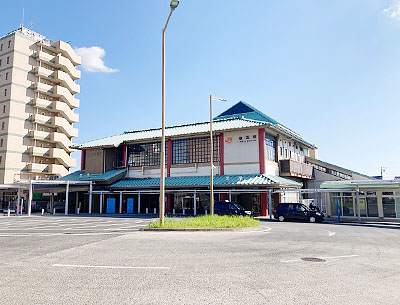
{"x":194,"y":150}
{"x":9,"y":44}
{"x":281,"y":151}
{"x":270,"y":147}
{"x":8,"y":60}
{"x":147,"y":154}
{"x":285,"y":152}
{"x":1,"y":159}
{"x":6,"y":75}
{"x":5,"y":92}
{"x":0,"y":62}
{"x":3,"y":125}
{"x":1,"y":47}
{"x":4,"y":108}
{"x":1,"y":142}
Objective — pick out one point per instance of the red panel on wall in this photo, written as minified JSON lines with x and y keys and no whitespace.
{"x":261,"y":149}
{"x":221,"y":154}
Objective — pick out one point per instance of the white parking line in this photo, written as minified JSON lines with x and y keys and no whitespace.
{"x":110,"y":267}
{"x":258,"y":231}
{"x":330,"y":233}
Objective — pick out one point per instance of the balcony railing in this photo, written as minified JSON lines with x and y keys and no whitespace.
{"x":291,"y":168}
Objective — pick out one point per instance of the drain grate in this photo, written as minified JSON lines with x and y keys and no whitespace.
{"x":313,"y":259}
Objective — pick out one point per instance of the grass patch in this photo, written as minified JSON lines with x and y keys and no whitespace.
{"x":207,"y":221}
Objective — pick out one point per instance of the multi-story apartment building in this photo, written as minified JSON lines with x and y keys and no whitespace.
{"x":37,"y":102}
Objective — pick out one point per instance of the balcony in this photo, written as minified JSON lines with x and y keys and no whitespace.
{"x":44,"y":56}
{"x":41,"y":119}
{"x":65,"y":63}
{"x":44,"y":72}
{"x":40,"y":135}
{"x":63,"y":157}
{"x":38,"y":168}
{"x":66,"y":112}
{"x":57,"y":169}
{"x":42,"y":103}
{"x":39,"y":151}
{"x":40,"y":87}
{"x":67,"y":50}
{"x":66,"y":96}
{"x":291,"y":168}
{"x":67,"y":81}
{"x":65,"y":126}
{"x":62,"y":140}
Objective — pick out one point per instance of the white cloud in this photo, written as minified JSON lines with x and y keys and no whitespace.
{"x":92,"y":59}
{"x":393,"y":10}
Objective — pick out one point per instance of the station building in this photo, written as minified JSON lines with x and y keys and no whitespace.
{"x":254,"y":156}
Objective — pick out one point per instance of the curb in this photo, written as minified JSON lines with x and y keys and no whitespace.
{"x":202,"y":229}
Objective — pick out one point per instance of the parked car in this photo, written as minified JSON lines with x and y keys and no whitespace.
{"x":230,"y":208}
{"x":297,"y":211}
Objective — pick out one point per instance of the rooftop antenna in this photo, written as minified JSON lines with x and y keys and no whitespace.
{"x":23,"y":15}
{"x":31,"y":26}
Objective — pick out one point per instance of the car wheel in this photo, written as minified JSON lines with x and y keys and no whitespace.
{"x":312,"y":219}
{"x":281,"y":218}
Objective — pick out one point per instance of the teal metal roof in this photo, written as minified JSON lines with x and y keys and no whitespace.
{"x":107,"y":176}
{"x":147,"y":134}
{"x":244,"y":110}
{"x":341,"y":168}
{"x":192,"y":181}
{"x":241,"y":115}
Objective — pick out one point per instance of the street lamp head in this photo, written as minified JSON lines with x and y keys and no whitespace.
{"x":174,"y":4}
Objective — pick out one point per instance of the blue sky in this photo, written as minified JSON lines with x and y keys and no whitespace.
{"x":327,"y":69}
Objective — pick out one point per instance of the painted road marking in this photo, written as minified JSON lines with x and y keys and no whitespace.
{"x":267,"y":229}
{"x":330,"y":233}
{"x":326,"y":257}
{"x":110,"y":267}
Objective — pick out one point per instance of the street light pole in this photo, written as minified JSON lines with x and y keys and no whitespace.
{"x":174,"y":4}
{"x":212,"y":153}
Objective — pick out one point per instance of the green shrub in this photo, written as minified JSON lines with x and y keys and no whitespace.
{"x":207,"y":221}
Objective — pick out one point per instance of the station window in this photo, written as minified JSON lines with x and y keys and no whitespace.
{"x":3,"y":125}
{"x":6,"y":75}
{"x":8,"y":60}
{"x":1,"y":142}
{"x":9,"y":44}
{"x":147,"y":154}
{"x":270,"y":147}
{"x":194,"y":150}
{"x":1,"y":47}
{"x":5,"y":92}
{"x":4,"y":108}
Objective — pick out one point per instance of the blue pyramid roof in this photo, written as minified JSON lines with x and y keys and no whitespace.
{"x":242,"y":109}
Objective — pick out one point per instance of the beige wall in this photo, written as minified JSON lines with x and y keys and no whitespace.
{"x":94,"y":161}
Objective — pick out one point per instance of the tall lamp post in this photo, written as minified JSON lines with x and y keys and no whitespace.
{"x":212,"y":98}
{"x":174,"y":4}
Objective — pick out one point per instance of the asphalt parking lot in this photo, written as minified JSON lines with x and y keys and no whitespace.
{"x":286,"y":263}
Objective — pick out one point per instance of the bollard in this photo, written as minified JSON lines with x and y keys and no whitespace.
{"x":77,"y":211}
{"x":155,"y":210}
{"x":8,"y":214}
{"x":54,"y":211}
{"x":42,"y":212}
{"x":147,"y":210}
{"x":173,"y":211}
{"x":206,"y":212}
{"x":183,"y":212}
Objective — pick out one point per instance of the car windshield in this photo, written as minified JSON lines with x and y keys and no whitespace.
{"x":305,"y":207}
{"x":239,"y":206}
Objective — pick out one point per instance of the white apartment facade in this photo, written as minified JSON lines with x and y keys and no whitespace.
{"x":37,"y":106}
